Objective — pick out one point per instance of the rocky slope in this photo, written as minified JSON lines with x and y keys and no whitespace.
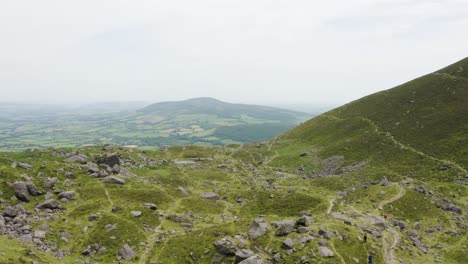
{"x":343,"y":187}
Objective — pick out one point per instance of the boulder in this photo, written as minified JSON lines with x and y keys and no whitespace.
{"x":284,"y":227}
{"x":226,"y":246}
{"x":452,"y":208}
{"x":243,"y":254}
{"x":384,"y":181}
{"x":10,"y":211}
{"x":210,"y":196}
{"x":304,"y":221}
{"x":39,"y":234}
{"x":256,"y":259}
{"x":135,"y":213}
{"x":288,"y":243}
{"x":93,"y":217}
{"x":80,"y":158}
{"x":126,"y":252}
{"x":418,"y":243}
{"x":69,"y":175}
{"x":115,"y":169}
{"x":90,"y":167}
{"x":32,"y":189}
{"x":151,"y":206}
{"x":113,"y":180}
{"x":110,"y":160}
{"x":49,"y":204}
{"x":326,"y":252}
{"x":69,"y":195}
{"x":21,"y":191}
{"x":258,"y":229}
{"x":400,"y":224}
{"x":25,"y":166}
{"x":49,"y":183}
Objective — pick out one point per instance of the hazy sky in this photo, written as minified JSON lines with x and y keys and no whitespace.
{"x":254,"y":51}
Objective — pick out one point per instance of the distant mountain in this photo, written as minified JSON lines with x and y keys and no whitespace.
{"x":203,"y":121}
{"x":211,"y":106}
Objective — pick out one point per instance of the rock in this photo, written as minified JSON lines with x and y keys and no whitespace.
{"x":151,"y":206}
{"x":116,"y":209}
{"x":2,"y":222}
{"x":356,"y":260}
{"x":69,"y":175}
{"x":23,"y":197}
{"x":49,"y":204}
{"x":302,"y":229}
{"x":288,"y":243}
{"x":400,"y":224}
{"x":377,"y":221}
{"x":116,"y":169}
{"x":25,"y":166}
{"x":304,"y":260}
{"x":21,"y":191}
{"x":326,"y":252}
{"x":110,"y":160}
{"x":107,"y":148}
{"x":80,"y":158}
{"x":418,"y":243}
{"x":10,"y":211}
{"x":93,"y":217}
{"x":210,"y":196}
{"x":183,"y":191}
{"x":49,"y":183}
{"x":135,"y":213}
{"x":90,"y":167}
{"x":303,"y":154}
{"x":322,"y":242}
{"x":452,"y":208}
{"x":226,"y":246}
{"x":243,"y":254}
{"x":384,"y":181}
{"x":39,"y":234}
{"x":304,"y":221}
{"x":284,"y":227}
{"x":420,"y":189}
{"x":113,"y":180}
{"x":253,"y":260}
{"x":258,"y":229}
{"x":126,"y":252}
{"x":32,"y":189}
{"x":69,"y":195}
{"x":417,"y":225}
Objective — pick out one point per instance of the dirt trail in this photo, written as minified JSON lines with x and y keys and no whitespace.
{"x":150,"y":243}
{"x":406,"y":147}
{"x":387,"y":247}
{"x":389,"y":251}
{"x":392,"y":199}
{"x":330,"y":208}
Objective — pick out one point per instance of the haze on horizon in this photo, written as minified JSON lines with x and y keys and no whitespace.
{"x":270,"y":52}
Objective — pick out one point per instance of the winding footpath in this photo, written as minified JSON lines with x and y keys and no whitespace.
{"x":390,"y":234}
{"x":406,"y":147}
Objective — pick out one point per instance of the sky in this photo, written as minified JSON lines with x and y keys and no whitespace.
{"x":243,"y":51}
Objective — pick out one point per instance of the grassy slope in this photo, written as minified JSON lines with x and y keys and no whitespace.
{"x":416,"y":127}
{"x":265,"y":176}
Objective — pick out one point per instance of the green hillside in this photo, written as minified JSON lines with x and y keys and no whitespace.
{"x":383,"y":177}
{"x":422,"y":123}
